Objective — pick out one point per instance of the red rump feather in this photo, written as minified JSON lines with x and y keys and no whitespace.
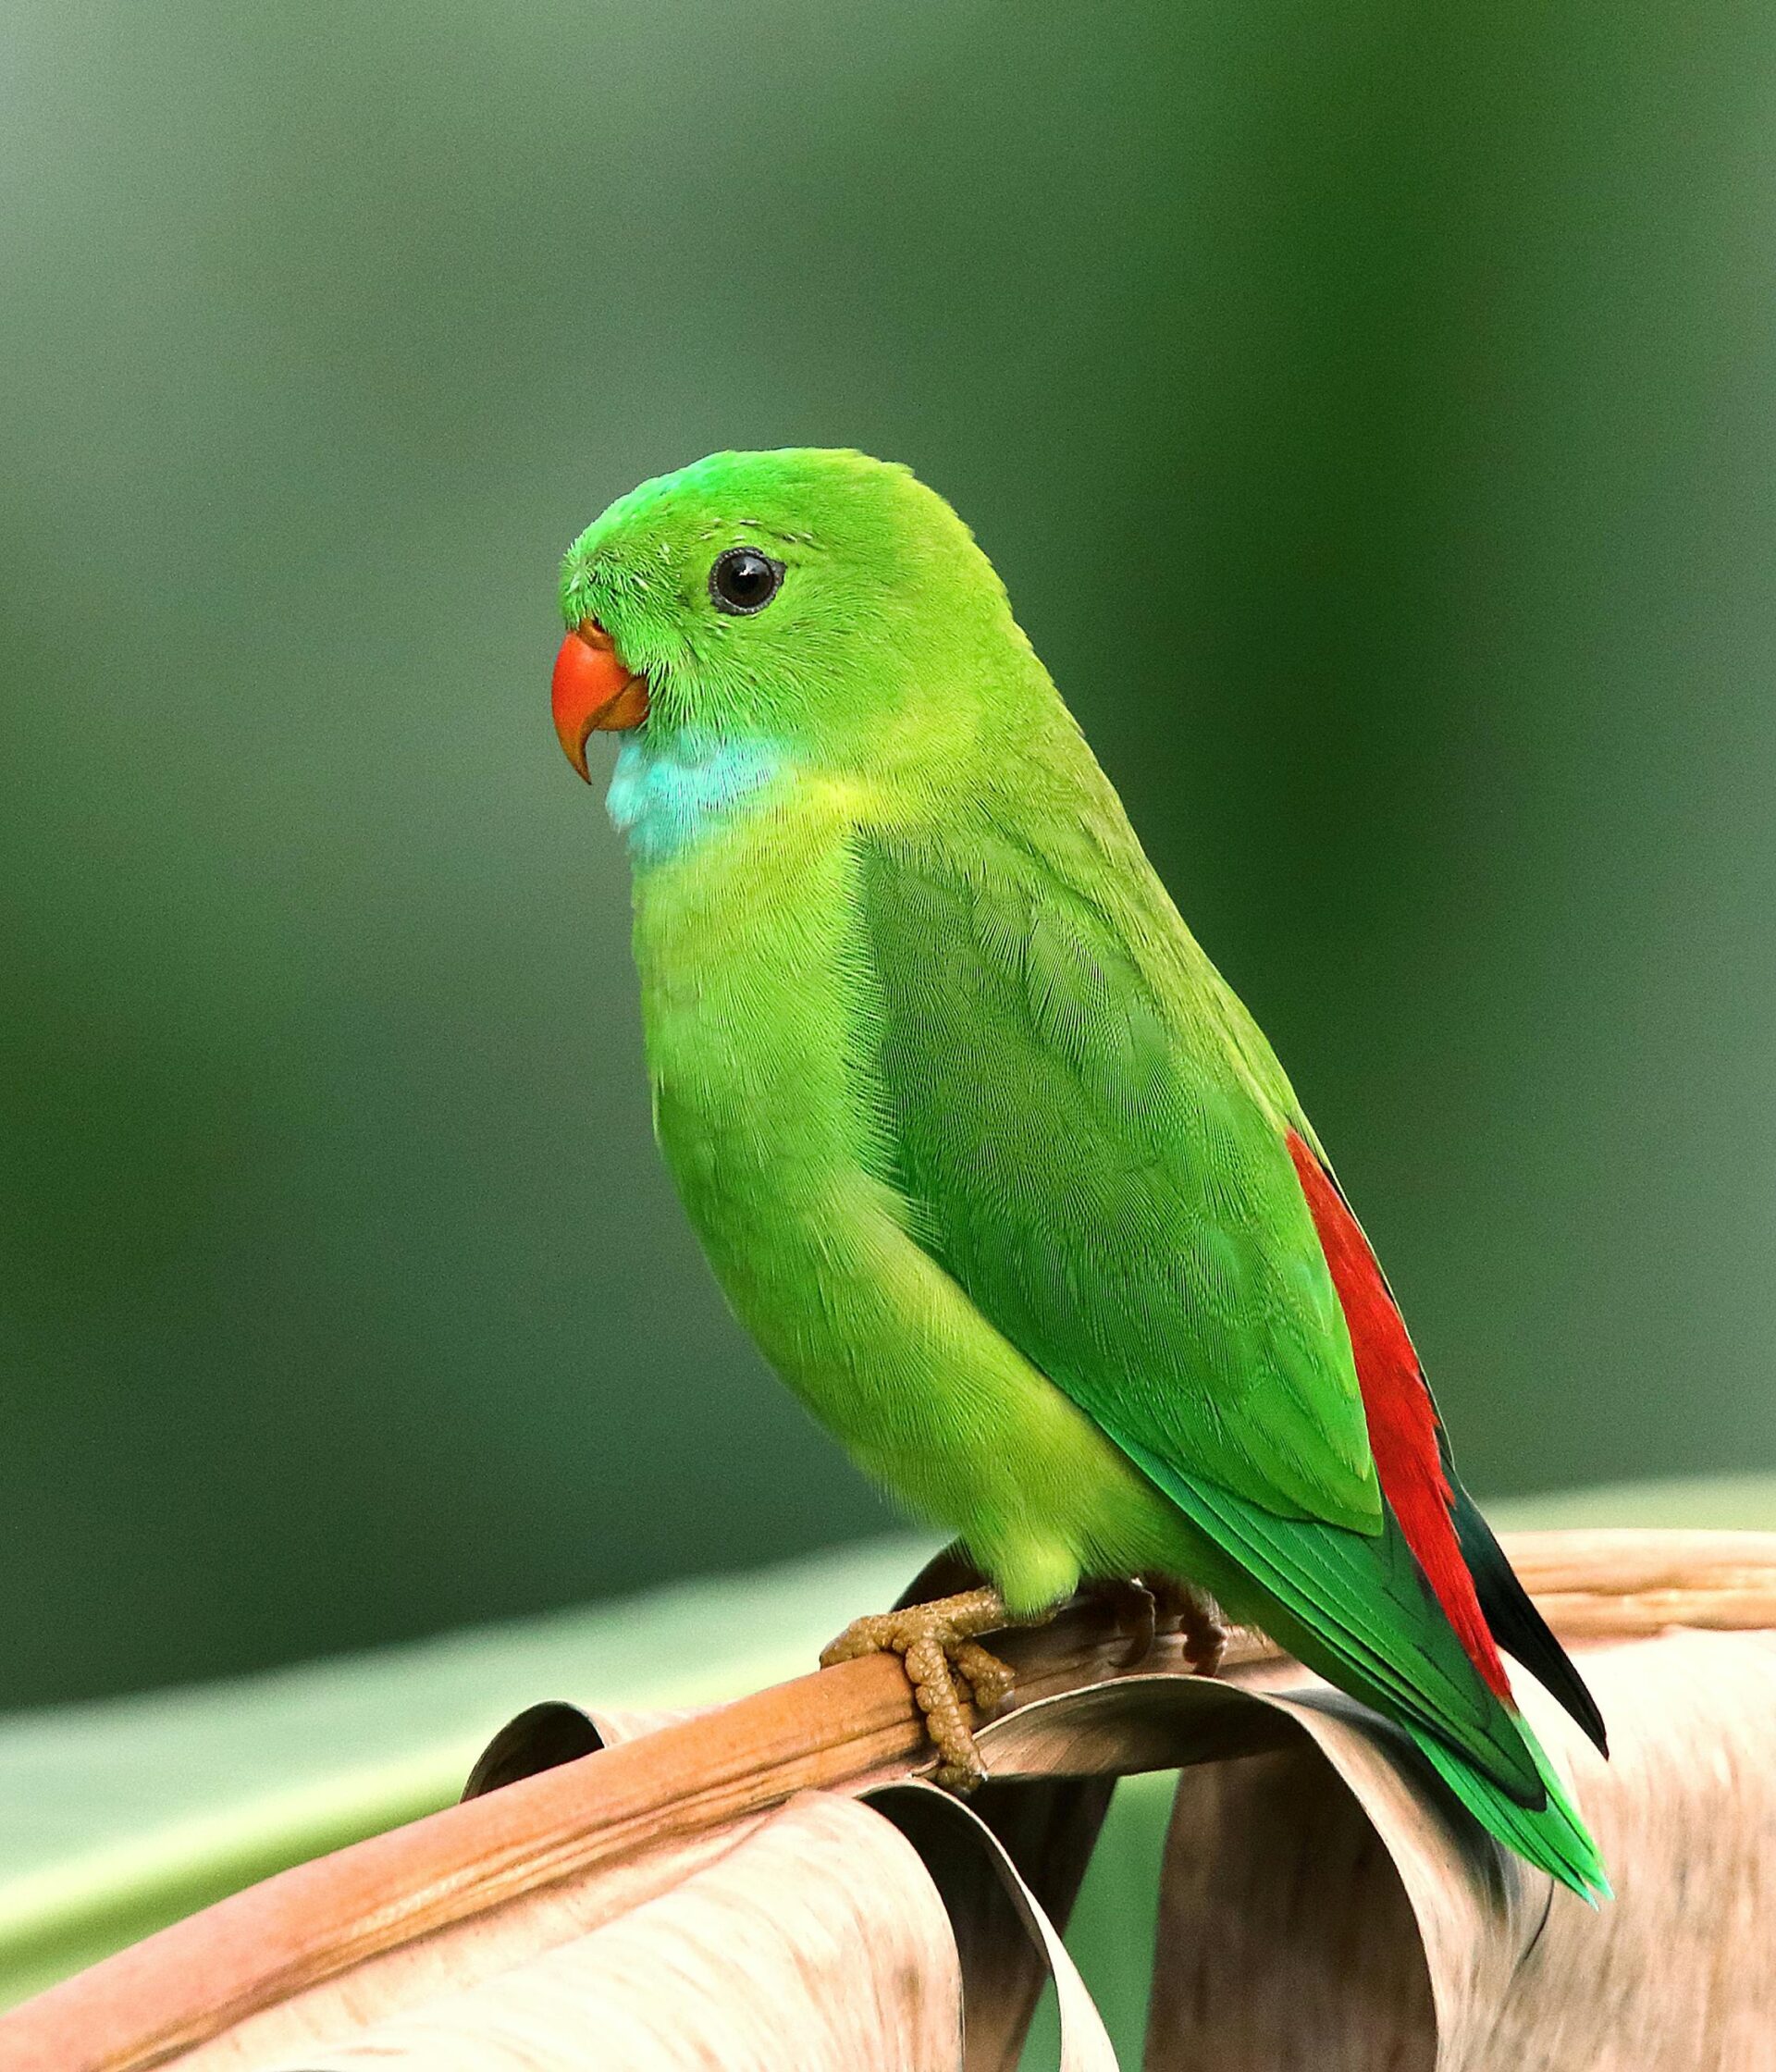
{"x":1402,"y":1419}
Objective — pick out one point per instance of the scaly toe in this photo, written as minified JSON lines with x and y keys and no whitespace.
{"x":875,"y":1634}
{"x":1205,"y":1648}
{"x":951,"y":1674}
{"x":988,"y":1679}
{"x":1136,"y":1611}
{"x":1198,"y":1621}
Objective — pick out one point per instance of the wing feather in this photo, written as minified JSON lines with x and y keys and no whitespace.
{"x":1098,"y":1159}
{"x":1112,"y":1197}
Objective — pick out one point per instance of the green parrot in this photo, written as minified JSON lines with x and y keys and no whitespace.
{"x":1003,"y":1178}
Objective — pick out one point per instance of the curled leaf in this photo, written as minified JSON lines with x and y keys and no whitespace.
{"x":1008,"y":1945}
{"x":818,"y":1942}
{"x":1326,"y":1901}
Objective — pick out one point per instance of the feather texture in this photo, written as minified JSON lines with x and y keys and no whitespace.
{"x":1402,"y":1418}
{"x":998,"y":1171}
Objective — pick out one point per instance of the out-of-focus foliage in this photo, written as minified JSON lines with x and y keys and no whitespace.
{"x":1371,"y":409}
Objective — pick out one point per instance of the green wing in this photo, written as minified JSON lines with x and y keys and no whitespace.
{"x":1104,"y":1171}
{"x":1094,"y":1169}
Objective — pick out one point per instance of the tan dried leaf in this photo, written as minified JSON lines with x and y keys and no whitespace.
{"x":830,"y":1933}
{"x":1326,"y":1904}
{"x":1004,"y":1942}
{"x":466,"y":1953}
{"x":818,"y":1942}
{"x":1009,"y":1948}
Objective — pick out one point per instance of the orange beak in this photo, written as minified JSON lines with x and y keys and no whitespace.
{"x":593,"y":693}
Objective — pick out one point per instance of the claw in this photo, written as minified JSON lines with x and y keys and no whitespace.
{"x":955,"y":1680}
{"x":954,"y":1677}
{"x":1135,"y":1610}
{"x":1195,"y":1617}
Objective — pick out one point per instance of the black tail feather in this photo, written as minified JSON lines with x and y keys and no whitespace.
{"x":1516,"y":1624}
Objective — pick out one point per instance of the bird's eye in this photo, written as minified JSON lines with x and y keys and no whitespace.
{"x":745,"y":581}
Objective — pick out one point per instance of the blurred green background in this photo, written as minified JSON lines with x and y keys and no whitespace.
{"x":1371,"y":412}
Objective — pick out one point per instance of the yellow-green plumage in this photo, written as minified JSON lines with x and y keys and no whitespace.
{"x":982,"y":1149}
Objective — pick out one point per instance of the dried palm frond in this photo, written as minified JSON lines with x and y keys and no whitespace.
{"x":762,"y":1883}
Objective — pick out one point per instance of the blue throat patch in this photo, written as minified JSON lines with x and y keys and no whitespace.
{"x":667,"y":794}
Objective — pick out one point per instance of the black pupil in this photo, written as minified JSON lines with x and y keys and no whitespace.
{"x":746,"y":578}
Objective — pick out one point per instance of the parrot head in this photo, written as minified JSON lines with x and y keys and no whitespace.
{"x":814,"y":604}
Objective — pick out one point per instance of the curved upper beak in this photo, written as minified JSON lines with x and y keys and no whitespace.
{"x":592,"y":691}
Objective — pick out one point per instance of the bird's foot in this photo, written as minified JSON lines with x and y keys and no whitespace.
{"x":954,"y":1679}
{"x":1145,"y":1605}
{"x":1133,"y":1608}
{"x":1195,"y":1617}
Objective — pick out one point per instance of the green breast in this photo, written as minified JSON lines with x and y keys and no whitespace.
{"x":741,"y":949}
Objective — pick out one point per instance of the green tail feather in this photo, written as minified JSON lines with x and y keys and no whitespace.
{"x":1356,"y":1609}
{"x":1554,"y":1839}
